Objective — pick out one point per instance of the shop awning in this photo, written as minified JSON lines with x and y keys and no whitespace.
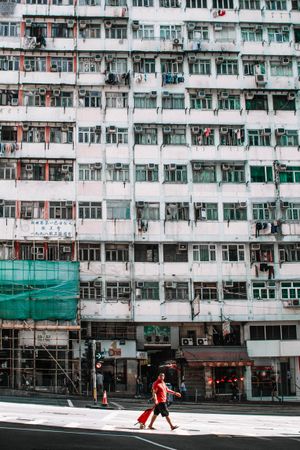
{"x":216,"y":357}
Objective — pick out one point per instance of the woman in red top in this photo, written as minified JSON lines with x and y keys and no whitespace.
{"x":160,"y":390}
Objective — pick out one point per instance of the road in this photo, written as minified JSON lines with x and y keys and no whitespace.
{"x":46,"y":427}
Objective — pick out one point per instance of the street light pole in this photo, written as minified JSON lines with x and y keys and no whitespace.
{"x":93,"y":371}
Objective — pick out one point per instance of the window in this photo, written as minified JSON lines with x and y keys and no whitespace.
{"x":91,"y":290}
{"x":252,"y":34}
{"x":9,"y":29}
{"x":233,"y":252}
{"x":233,"y":211}
{"x":7,"y":170}
{"x":89,"y":252}
{"x":204,"y":103}
{"x":116,"y":252}
{"x":34,"y":98}
{"x":263,"y":254}
{"x":116,"y":135}
{"x":7,"y":209}
{"x":196,"y":3}
{"x":145,"y":101}
{"x":223,"y":4}
{"x":173,"y":101}
{"x":6,"y":250}
{"x":257,"y":103}
{"x":279,"y":35}
{"x":91,"y":31}
{"x":145,"y":135}
{"x":288,"y":332}
{"x":228,"y":67}
{"x":64,"y":100}
{"x":146,"y":253}
{"x":174,"y":136}
{"x":170,"y":32}
{"x":61,"y":210}
{"x":32,"y":251}
{"x":203,"y":173}
{"x":61,"y":135}
{"x":177,"y":211}
{"x":118,"y":290}
{"x":90,"y":172}
{"x":206,"y":291}
{"x":116,"y":100}
{"x":263,"y":290}
{"x":231,"y":136}
{"x":62,"y":2}
{"x":262,"y":211}
{"x":62,"y":64}
{"x":89,"y":65}
{"x":175,"y":252}
{"x":259,"y":138}
{"x":35,"y":171}
{"x":198,"y":34}
{"x":118,"y":172}
{"x":276,"y":5}
{"x":32,"y":210}
{"x":176,"y":291}
{"x":204,"y":252}
{"x":145,"y":32}
{"x":257,"y":333}
{"x":289,"y":253}
{"x":279,"y":70}
{"x":60,"y":172}
{"x":290,"y":290}
{"x":288,"y":139}
{"x":234,"y":290}
{"x":206,"y":211}
{"x":235,"y":174}
{"x":89,"y":135}
{"x":61,"y":30}
{"x":116,"y":32}
{"x":148,"y":290}
{"x":118,"y":209}
{"x":231,"y":102}
{"x":90,"y":210}
{"x":261,"y":174}
{"x":147,"y":211}
{"x":169,"y":3}
{"x":251,"y":68}
{"x":200,"y":67}
{"x":146,"y":65}
{"x":89,"y":99}
{"x":290,"y":175}
{"x":34,"y":64}
{"x":250,"y":4}
{"x":292,"y":212}
{"x":89,"y":2}
{"x":142,"y":3}
{"x":171,"y":67}
{"x":34,"y":135}
{"x":9,"y":62}
{"x":175,"y":174}
{"x":225,"y":33}
{"x":205,"y":136}
{"x":282,"y":103}
{"x":146,"y":172}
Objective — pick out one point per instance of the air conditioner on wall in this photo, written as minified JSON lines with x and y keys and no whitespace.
{"x":187,"y":341}
{"x":280,"y":131}
{"x":202,"y":341}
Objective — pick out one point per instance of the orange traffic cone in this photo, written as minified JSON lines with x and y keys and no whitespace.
{"x":104,"y":399}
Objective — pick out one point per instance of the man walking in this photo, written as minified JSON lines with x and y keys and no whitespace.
{"x":159,"y":391}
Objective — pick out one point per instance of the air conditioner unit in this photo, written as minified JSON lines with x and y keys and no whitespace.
{"x":258,"y":27}
{"x":138,"y":129}
{"x":151,"y":166}
{"x":298,"y":246}
{"x":56,"y":92}
{"x":82,"y":24}
{"x":223,"y":130}
{"x":70,"y":23}
{"x":54,"y":68}
{"x":140,"y":204}
{"x":97,"y":165}
{"x":97,"y":283}
{"x":25,"y":127}
{"x":167,"y":130}
{"x":285,"y":61}
{"x":224,"y":95}
{"x":127,"y":290}
{"x":218,"y":27}
{"x":284,"y":205}
{"x":182,"y":247}
{"x":172,"y":166}
{"x":242,"y":205}
{"x":285,"y":28}
{"x":109,"y":58}
{"x":219,"y":60}
{"x":135,"y":25}
{"x":199,"y":205}
{"x":282,"y":168}
{"x":191,"y":26}
{"x":112,"y":129}
{"x":28,"y":22}
{"x":65,"y":168}
{"x":195,"y":130}
{"x":27,"y":68}
{"x":165,"y":94}
{"x":192,"y":58}
{"x":260,"y":80}
{"x":69,"y":203}
{"x":280,"y":131}
{"x":187,"y":341}
{"x":201,"y":94}
{"x":176,"y":41}
{"x":202,"y":341}
{"x":291,"y":96}
{"x":67,"y":249}
{"x":40,"y":256}
{"x":107,"y":24}
{"x":255,"y":247}
{"x":179,"y":59}
{"x":136,"y":58}
{"x":271,"y":205}
{"x":226,"y":167}
{"x":140,"y":284}
{"x":65,"y":128}
{"x":153,"y":94}
{"x":82,"y":92}
{"x":249,"y":95}
{"x":97,"y":57}
{"x":118,"y":166}
{"x":266,"y":132}
{"x":14,"y":102}
{"x":171,"y":285}
{"x":98,"y":128}
{"x":28,"y":167}
{"x":228,"y":284}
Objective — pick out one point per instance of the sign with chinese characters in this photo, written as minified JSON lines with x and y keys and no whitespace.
{"x":43,"y":338}
{"x":118,"y":349}
{"x":50,"y":228}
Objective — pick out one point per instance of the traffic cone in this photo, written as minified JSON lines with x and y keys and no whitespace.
{"x":104,"y":399}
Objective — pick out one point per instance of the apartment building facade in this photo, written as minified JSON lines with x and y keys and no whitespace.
{"x":155,"y":143}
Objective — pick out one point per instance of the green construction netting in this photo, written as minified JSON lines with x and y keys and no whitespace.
{"x":39,"y":290}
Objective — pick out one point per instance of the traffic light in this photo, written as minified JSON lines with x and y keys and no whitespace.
{"x":98,"y":356}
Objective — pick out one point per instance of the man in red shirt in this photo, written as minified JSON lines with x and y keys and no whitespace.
{"x":160,"y":390}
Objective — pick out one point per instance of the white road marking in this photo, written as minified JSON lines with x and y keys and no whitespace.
{"x":117,"y":405}
{"x":154,"y":443}
{"x":294,"y":439}
{"x":70,"y":403}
